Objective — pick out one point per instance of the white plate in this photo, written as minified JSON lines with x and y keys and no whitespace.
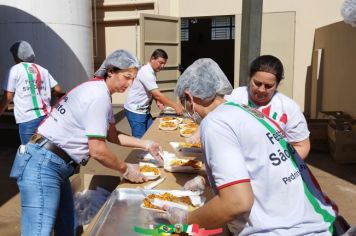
{"x":168,"y":128}
{"x":150,"y":175}
{"x":174,"y":119}
{"x":196,"y":200}
{"x":186,"y":135}
{"x":188,"y":126}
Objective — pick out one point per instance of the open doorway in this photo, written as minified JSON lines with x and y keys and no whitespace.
{"x":212,"y":37}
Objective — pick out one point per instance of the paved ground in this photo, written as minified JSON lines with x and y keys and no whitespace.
{"x":338,"y":181}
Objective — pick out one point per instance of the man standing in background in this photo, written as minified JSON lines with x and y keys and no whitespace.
{"x":30,"y":86}
{"x":141,"y":93}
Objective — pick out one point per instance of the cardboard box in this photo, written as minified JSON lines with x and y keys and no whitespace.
{"x":342,"y":140}
{"x":318,"y":134}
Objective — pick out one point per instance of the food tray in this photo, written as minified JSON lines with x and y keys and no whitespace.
{"x":175,"y":145}
{"x":122,"y":212}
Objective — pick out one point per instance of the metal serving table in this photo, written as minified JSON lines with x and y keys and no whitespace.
{"x":123,"y":212}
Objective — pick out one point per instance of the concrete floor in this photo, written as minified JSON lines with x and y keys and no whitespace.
{"x":337,"y":181}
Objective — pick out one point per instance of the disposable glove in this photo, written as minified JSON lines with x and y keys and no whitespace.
{"x":154,"y":149}
{"x":195,"y":184}
{"x":173,"y":215}
{"x":195,"y":138}
{"x":133,"y":174}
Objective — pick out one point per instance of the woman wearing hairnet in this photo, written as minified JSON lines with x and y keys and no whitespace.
{"x":266,"y":73}
{"x":75,"y":130}
{"x":30,"y":86}
{"x":261,"y":185}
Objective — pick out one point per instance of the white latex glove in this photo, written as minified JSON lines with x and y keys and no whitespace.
{"x":154,"y":149}
{"x":195,"y":138}
{"x":195,"y":184}
{"x":133,"y":174}
{"x":173,"y":214}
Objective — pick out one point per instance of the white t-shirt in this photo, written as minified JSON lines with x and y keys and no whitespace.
{"x":139,"y":97}
{"x":29,"y":103}
{"x":84,"y":112}
{"x":238,"y":147}
{"x":281,"y":109}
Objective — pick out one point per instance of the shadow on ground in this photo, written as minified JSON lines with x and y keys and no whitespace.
{"x":324,"y":161}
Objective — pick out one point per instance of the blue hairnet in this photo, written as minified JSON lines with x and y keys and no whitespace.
{"x":23,"y":51}
{"x":203,"y":79}
{"x":348,"y":12}
{"x":121,"y":59}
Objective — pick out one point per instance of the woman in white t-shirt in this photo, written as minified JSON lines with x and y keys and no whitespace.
{"x":30,"y":86}
{"x":261,"y":185}
{"x":266,"y":73}
{"x":76,"y":128}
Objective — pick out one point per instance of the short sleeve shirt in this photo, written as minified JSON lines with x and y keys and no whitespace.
{"x":30,"y":101}
{"x":281,"y":109}
{"x":242,"y":145}
{"x":139,"y":97}
{"x":84,"y":112}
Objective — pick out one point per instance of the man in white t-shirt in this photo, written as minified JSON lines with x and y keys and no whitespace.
{"x":143,"y":90}
{"x":30,"y":86}
{"x":261,"y":185}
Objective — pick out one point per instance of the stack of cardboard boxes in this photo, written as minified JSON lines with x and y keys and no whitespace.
{"x":340,"y":130}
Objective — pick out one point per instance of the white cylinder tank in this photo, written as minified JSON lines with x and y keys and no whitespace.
{"x":60,"y":32}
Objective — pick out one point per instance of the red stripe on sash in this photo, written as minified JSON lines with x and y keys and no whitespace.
{"x":38,"y":84}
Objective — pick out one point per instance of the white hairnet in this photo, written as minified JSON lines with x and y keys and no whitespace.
{"x":203,"y":79}
{"x":348,"y":12}
{"x":23,"y":51}
{"x":121,"y":59}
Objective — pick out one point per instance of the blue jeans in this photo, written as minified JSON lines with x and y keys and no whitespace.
{"x":27,"y":129}
{"x":46,"y":194}
{"x":139,"y":123}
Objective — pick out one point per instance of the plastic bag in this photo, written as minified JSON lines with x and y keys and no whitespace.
{"x":88,"y":203}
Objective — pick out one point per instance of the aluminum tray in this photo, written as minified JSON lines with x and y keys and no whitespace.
{"x":122,"y":212}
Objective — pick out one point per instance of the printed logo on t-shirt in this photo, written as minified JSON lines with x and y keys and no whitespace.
{"x":31,"y":70}
{"x":283,"y":119}
{"x":253,"y":111}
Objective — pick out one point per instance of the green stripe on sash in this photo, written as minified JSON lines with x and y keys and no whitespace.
{"x":33,"y":91}
{"x":284,"y":144}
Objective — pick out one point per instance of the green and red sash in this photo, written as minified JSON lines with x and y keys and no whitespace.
{"x":36,"y":107}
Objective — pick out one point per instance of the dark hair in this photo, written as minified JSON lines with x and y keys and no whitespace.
{"x":268,"y":63}
{"x":159,"y":53}
{"x":112,"y":69}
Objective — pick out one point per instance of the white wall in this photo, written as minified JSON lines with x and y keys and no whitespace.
{"x":60,"y":33}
